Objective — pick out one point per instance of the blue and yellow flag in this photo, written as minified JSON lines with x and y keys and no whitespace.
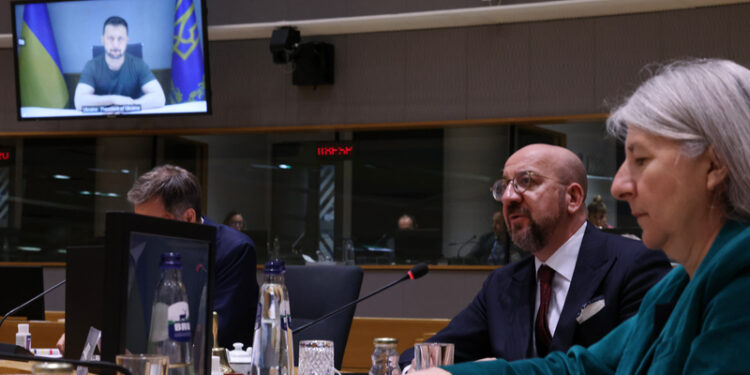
{"x":39,"y":70}
{"x":188,"y":79}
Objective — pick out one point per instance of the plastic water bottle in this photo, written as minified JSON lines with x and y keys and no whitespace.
{"x":272,"y":340}
{"x":170,"y":324}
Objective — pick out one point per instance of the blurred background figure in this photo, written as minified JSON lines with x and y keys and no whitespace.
{"x":598,"y":213}
{"x":235,"y":220}
{"x":406,"y":222}
{"x":492,"y":247}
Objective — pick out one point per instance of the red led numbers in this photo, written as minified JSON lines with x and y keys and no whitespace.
{"x":335,"y":150}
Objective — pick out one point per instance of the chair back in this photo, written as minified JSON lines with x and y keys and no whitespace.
{"x":135,"y":49}
{"x":317,"y":290}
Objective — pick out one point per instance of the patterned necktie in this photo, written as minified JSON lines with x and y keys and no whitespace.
{"x":541,"y":328}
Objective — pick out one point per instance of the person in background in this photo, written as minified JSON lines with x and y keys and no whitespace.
{"x":406,"y":222}
{"x":492,"y":247}
{"x":235,"y":220}
{"x":117,"y":77}
{"x":580,"y":282}
{"x":171,"y":192}
{"x":598,"y":213}
{"x":686,"y":177}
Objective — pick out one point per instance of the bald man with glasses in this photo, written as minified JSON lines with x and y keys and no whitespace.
{"x":578,"y":285}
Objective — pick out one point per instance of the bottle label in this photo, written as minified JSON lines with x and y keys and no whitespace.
{"x":179,"y":325}
{"x":286,"y":316}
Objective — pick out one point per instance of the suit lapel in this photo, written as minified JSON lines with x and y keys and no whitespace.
{"x":592,"y":266}
{"x":520,"y":303}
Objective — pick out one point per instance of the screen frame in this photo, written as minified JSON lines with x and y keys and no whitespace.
{"x":119,"y":226}
{"x":206,"y":71}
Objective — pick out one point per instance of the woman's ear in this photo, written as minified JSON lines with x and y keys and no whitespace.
{"x":717,"y":172}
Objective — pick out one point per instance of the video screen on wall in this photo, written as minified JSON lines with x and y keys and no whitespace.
{"x":110,"y":58}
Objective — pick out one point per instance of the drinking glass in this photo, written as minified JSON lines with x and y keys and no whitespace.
{"x":432,"y":354}
{"x":143,"y":364}
{"x":316,"y":358}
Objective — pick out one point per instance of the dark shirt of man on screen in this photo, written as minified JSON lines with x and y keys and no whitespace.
{"x":117,"y":77}
{"x":580,"y":282}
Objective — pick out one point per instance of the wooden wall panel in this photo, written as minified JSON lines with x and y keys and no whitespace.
{"x":497,"y":71}
{"x":624,"y":45}
{"x":376,"y":81}
{"x":435,"y":74}
{"x":561,"y":67}
{"x":555,"y":68}
{"x":695,"y":33}
{"x":738,"y":32}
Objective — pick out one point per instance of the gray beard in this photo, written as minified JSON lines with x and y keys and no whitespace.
{"x":531,"y":239}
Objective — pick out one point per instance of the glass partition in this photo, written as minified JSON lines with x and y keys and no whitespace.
{"x":400,"y":196}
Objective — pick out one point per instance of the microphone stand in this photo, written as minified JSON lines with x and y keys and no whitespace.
{"x":11,"y":312}
{"x":342,"y":308}
{"x":412,"y":274}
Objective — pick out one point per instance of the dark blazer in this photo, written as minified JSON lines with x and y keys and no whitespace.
{"x":498,"y":322}
{"x":235,"y":288}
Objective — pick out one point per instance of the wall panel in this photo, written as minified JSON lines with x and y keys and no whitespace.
{"x":565,"y":67}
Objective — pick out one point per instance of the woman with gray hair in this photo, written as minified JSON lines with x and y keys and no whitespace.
{"x":686,"y":177}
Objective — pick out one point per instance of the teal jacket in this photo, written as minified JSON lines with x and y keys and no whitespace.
{"x":684,"y":326}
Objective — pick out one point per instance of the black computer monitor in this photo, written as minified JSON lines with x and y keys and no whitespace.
{"x":419,"y":245}
{"x":133,"y":248}
{"x":22,"y":284}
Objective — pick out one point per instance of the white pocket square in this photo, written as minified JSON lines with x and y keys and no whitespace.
{"x":590,"y":309}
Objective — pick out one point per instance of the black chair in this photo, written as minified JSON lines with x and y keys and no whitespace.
{"x":317,"y":290}
{"x":135,"y":49}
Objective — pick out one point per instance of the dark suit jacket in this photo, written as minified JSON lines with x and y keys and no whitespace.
{"x":236,"y":288}
{"x":498,"y":323}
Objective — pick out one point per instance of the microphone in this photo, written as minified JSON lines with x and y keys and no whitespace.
{"x":8,"y":351}
{"x":415,"y":272}
{"x":42,"y":294}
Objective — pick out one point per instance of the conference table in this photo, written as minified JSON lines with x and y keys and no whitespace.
{"x":356,"y":357}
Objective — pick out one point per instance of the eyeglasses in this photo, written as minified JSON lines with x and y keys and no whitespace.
{"x":521,"y":182}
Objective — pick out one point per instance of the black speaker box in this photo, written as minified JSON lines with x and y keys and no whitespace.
{"x":283,"y":40}
{"x":313,"y":64}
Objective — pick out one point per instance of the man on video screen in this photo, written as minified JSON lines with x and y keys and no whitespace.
{"x":116,"y":77}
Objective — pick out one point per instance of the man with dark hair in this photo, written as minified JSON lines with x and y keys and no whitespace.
{"x":117,"y":77}
{"x":580,"y":282}
{"x":171,"y":192}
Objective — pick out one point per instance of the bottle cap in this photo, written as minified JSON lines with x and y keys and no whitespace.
{"x":385,"y":340}
{"x":23,"y":328}
{"x":274,"y":266}
{"x":171,"y":260}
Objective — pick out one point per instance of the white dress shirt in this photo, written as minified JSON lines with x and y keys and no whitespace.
{"x":563,"y":262}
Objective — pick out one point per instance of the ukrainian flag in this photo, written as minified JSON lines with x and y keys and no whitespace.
{"x":188,"y":79}
{"x":40,"y":72}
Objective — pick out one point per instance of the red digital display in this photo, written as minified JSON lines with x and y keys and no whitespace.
{"x":334,"y":151}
